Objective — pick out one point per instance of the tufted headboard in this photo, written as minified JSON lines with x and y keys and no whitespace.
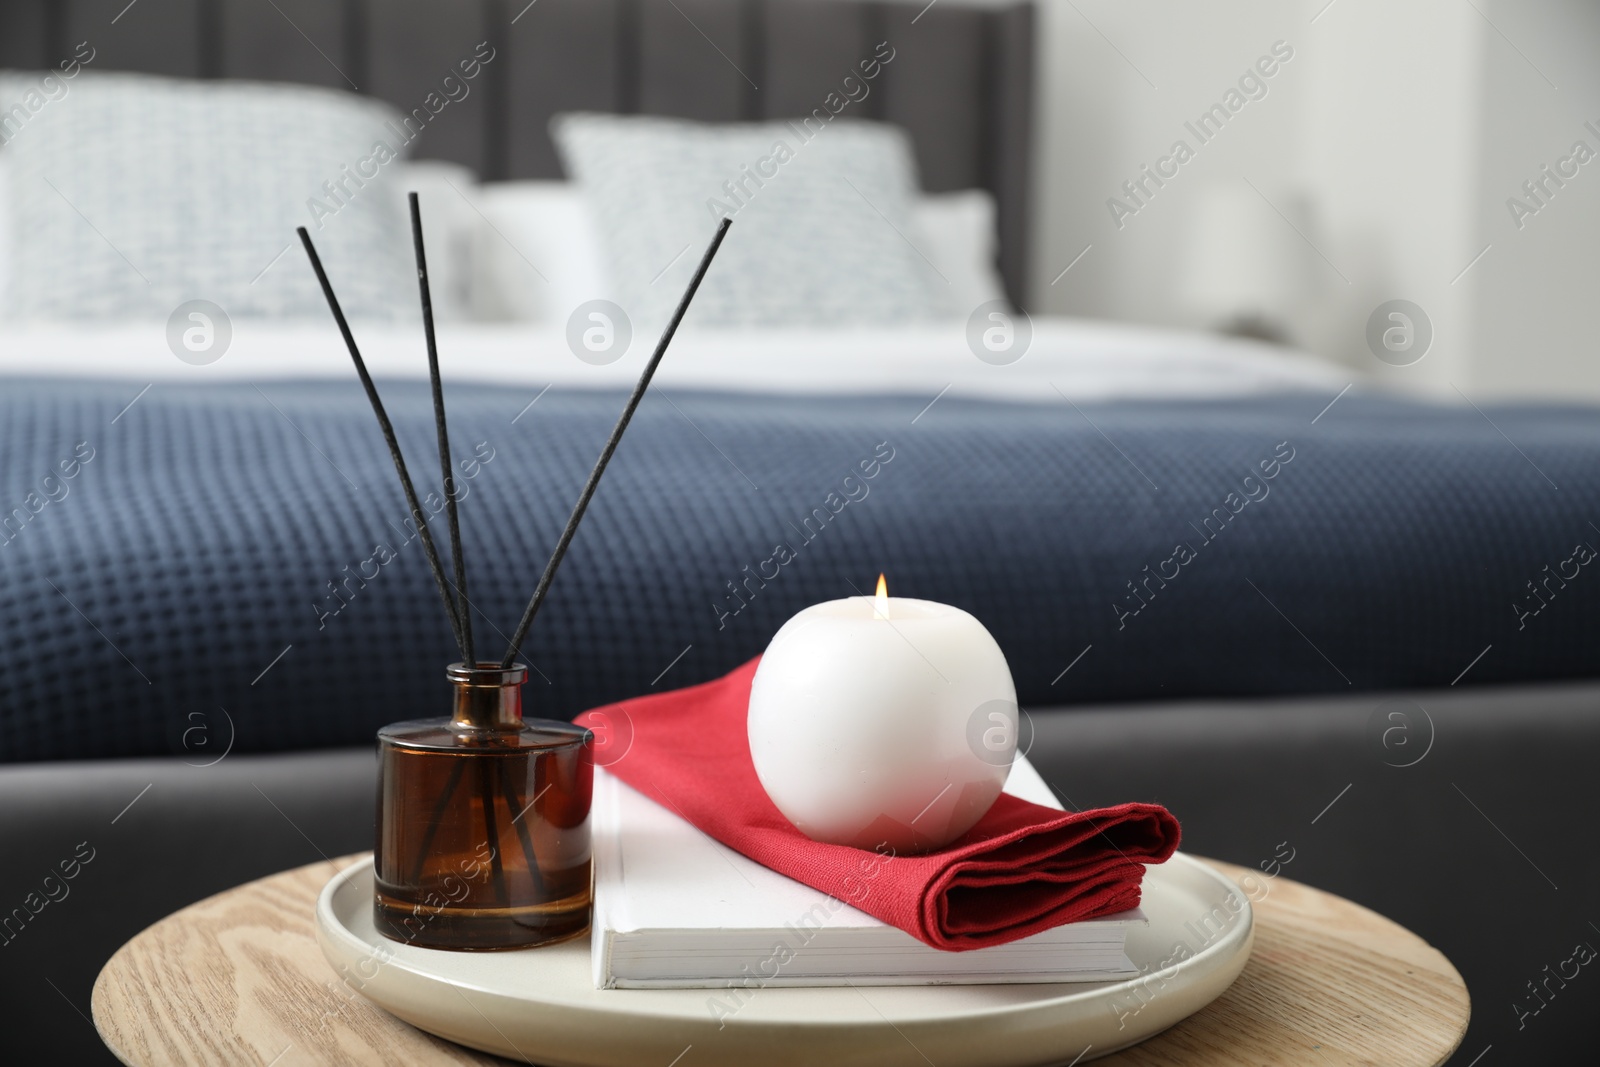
{"x":961,"y":81}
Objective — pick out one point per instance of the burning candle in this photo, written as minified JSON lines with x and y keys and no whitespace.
{"x":883,"y":722}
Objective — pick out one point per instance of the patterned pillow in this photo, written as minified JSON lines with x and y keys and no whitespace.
{"x":130,"y":194}
{"x":822,"y":218}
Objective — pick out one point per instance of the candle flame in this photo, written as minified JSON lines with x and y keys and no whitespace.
{"x":881,"y":607}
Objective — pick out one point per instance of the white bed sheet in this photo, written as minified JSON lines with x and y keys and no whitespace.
{"x":1080,"y":359}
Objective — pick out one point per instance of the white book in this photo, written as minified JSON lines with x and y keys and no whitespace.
{"x":675,"y":909}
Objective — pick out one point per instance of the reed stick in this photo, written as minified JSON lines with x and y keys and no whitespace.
{"x":486,"y":798}
{"x":458,"y":766}
{"x":442,"y":435}
{"x":515,"y":805}
{"x":611,"y":446}
{"x":388,"y":435}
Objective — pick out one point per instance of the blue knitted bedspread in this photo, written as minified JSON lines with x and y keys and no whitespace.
{"x":222,"y":565}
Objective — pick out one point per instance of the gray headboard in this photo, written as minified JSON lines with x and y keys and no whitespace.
{"x":961,"y":81}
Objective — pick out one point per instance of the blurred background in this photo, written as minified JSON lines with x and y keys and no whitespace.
{"x":1393,"y":139}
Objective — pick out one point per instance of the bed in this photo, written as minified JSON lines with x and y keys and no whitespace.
{"x":1219,"y":568}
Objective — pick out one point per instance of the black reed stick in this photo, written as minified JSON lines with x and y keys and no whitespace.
{"x":388,"y":435}
{"x":442,"y":434}
{"x":449,"y":790}
{"x":486,"y":795}
{"x":611,"y":446}
{"x":514,"y":803}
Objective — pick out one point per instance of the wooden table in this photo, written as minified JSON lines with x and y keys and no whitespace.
{"x":238,"y":979}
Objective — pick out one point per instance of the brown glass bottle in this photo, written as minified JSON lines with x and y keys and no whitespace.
{"x":483,"y":822}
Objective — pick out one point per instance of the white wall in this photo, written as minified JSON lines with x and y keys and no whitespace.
{"x":1403,"y":124}
{"x":1539,"y":285}
{"x":1100,"y":120}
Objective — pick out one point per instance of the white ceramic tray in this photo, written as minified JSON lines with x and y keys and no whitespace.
{"x":541,"y":1006}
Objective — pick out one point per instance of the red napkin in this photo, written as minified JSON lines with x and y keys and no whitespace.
{"x":1022,"y":869}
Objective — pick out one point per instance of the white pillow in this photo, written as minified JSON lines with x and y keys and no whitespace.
{"x":448,"y":194}
{"x":547,"y":225}
{"x":820,"y":228}
{"x":537,"y":253}
{"x":451,"y":222}
{"x":132,"y":193}
{"x":958,"y":233}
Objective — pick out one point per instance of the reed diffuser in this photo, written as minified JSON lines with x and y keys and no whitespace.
{"x":483,"y":817}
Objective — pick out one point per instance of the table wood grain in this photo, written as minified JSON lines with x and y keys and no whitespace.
{"x":238,"y":979}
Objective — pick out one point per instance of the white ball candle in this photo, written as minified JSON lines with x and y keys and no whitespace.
{"x":883,"y":722}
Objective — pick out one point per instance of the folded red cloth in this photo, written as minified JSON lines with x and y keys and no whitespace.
{"x":1022,"y":869}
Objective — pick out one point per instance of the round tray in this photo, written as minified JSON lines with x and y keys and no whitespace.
{"x":541,"y":1006}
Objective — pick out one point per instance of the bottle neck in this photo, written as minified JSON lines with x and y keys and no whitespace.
{"x":487,"y":697}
